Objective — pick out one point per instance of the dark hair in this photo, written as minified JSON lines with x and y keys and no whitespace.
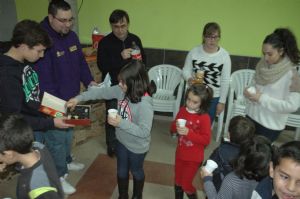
{"x":55,"y":5}
{"x":289,"y":150}
{"x":15,"y":134}
{"x":283,"y":38}
{"x":30,"y":33}
{"x":210,"y":28}
{"x":118,"y":16}
{"x":240,"y":129}
{"x":204,"y":92}
{"x":135,"y":76}
{"x":254,"y":158}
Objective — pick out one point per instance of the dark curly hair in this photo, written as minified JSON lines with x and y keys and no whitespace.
{"x":254,"y":158}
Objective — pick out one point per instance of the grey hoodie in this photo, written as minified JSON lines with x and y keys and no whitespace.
{"x":136,"y":123}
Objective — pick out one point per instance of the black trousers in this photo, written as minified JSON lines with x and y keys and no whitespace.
{"x":109,"y":129}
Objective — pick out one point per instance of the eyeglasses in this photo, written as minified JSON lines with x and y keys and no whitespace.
{"x":216,"y":37}
{"x":64,"y":21}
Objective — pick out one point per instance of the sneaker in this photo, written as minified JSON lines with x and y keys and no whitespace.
{"x":67,"y":187}
{"x":75,"y":166}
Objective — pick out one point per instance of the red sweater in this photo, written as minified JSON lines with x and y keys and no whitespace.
{"x":190,"y":147}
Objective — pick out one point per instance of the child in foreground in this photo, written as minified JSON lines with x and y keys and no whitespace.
{"x":38,"y":177}
{"x":192,"y":138}
{"x":251,"y":166}
{"x":284,"y":179}
{"x":240,"y":130}
{"x":133,"y":123}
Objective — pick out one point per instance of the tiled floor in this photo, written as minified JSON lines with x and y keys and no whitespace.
{"x":161,"y":155}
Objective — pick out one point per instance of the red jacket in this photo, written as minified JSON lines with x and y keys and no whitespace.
{"x":191,"y":147}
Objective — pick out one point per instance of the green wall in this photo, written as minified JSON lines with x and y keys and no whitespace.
{"x":177,"y":24}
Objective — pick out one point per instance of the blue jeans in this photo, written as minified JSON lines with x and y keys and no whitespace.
{"x":59,"y":144}
{"x":39,"y":136}
{"x":213,"y":108}
{"x":129,"y":161}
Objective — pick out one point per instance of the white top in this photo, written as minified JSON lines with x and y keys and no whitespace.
{"x":216,"y":67}
{"x":275,"y":103}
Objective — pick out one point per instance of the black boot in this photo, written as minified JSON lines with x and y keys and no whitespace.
{"x":192,"y":196}
{"x":178,"y":192}
{"x":138,"y":186}
{"x":123,"y":188}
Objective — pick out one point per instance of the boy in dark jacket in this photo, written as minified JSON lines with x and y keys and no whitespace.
{"x":240,"y":130}
{"x":19,"y":83}
{"x":38,"y":178}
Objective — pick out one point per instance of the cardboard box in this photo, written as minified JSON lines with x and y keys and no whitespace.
{"x":55,"y":107}
{"x":80,"y":115}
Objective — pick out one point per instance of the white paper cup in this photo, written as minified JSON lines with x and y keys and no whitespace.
{"x":181,"y":122}
{"x":112,"y":112}
{"x":251,"y":90}
{"x":210,"y":166}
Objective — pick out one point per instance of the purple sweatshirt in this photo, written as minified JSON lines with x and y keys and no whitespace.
{"x":63,"y":66}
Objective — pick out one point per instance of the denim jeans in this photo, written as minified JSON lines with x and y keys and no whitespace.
{"x":129,"y":161}
{"x":39,"y":136}
{"x":213,"y":108}
{"x":59,"y":144}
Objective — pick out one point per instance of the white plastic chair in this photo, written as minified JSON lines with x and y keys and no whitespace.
{"x":167,"y":78}
{"x":294,"y":120}
{"x":239,"y":80}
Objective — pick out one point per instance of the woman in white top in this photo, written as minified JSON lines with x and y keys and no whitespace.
{"x":214,"y":61}
{"x":277,"y":84}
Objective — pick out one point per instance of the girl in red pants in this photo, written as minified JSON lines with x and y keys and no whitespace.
{"x":192,"y":138}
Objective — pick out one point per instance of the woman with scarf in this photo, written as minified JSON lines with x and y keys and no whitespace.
{"x":277,"y":84}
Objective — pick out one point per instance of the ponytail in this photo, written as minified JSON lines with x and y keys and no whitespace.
{"x":285,"y":39}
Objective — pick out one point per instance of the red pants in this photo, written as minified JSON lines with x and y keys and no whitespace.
{"x":184,"y":174}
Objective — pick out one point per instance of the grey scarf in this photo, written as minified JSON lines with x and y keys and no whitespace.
{"x":268,"y":74}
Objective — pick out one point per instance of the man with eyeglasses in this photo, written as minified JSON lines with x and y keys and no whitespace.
{"x":60,"y":73}
{"x":114,"y":52}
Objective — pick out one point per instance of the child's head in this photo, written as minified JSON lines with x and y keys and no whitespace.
{"x":198,"y":98}
{"x":240,"y":129}
{"x":134,"y":81}
{"x":30,"y":39}
{"x":285,"y":170}
{"x":254,"y":158}
{"x":30,"y":33}
{"x":15,"y":136}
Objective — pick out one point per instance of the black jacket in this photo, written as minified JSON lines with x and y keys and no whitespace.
{"x":223,"y":156}
{"x":109,"y":57}
{"x":19,"y":87}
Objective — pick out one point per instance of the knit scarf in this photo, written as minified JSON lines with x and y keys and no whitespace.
{"x":268,"y":74}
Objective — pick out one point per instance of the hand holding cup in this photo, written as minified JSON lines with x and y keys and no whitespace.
{"x":112,"y":113}
{"x":210,"y":166}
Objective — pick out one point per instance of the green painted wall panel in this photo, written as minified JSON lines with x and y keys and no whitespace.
{"x":177,"y":24}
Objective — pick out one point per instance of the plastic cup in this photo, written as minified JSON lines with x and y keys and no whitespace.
{"x":112,"y":112}
{"x":251,"y":90}
{"x":199,"y":74}
{"x":210,"y":166}
{"x":181,"y":122}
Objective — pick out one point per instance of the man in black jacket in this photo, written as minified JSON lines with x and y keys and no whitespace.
{"x":114,"y":52}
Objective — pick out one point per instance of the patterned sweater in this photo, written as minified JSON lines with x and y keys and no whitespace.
{"x":216,"y":67}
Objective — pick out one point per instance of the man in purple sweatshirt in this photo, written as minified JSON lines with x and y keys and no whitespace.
{"x":60,"y":73}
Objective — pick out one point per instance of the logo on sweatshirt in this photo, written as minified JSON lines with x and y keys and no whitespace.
{"x":60,"y":53}
{"x":73,"y":48}
{"x":30,"y":84}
